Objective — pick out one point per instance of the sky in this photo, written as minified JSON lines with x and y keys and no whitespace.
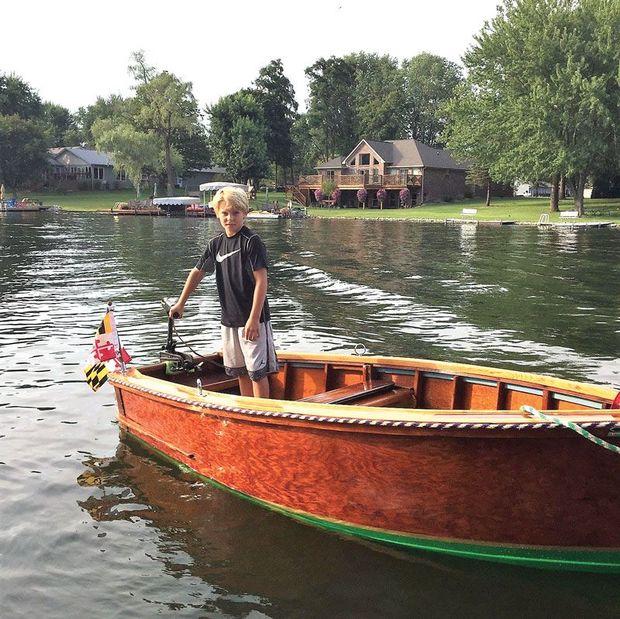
{"x":72,"y":52}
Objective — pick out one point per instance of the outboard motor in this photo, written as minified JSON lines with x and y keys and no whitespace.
{"x":176,"y":361}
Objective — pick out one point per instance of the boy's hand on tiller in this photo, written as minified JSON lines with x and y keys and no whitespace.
{"x":176,"y":311}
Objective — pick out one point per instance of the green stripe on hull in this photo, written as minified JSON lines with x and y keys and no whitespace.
{"x":604,"y":561}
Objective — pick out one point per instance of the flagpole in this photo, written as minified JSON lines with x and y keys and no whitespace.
{"x":118,"y":347}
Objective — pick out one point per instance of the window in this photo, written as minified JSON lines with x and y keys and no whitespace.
{"x":98,"y":173}
{"x":375,"y":162}
{"x":365,"y":159}
{"x":330,"y":174}
{"x":121,"y":175}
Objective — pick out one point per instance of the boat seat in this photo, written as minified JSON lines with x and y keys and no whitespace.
{"x":221,"y":385}
{"x":398,"y":397}
{"x":350,"y":393}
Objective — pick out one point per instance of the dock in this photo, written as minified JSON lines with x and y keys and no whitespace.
{"x":575,"y":224}
{"x":482,"y":222}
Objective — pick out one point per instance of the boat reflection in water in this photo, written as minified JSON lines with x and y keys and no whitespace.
{"x":247,"y":558}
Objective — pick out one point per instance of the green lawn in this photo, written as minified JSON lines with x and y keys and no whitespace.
{"x":86,"y":200}
{"x":507,"y":209}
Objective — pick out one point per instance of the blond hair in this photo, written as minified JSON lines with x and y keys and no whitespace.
{"x":233,"y":196}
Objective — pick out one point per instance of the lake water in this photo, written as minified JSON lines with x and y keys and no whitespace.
{"x":93,"y":526}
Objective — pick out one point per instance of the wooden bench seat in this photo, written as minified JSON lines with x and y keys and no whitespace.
{"x":222,"y":384}
{"x":397,"y":397}
{"x":350,"y":393}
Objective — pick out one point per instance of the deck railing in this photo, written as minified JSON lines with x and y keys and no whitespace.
{"x":362,"y":180}
{"x":311,"y":179}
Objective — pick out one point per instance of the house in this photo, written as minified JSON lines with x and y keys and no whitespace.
{"x":193,"y":178}
{"x":542,"y":189}
{"x":430,"y":174}
{"x":84,"y":168}
{"x":533,"y":190}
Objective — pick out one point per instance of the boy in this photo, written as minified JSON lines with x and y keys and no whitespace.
{"x":239,"y":259}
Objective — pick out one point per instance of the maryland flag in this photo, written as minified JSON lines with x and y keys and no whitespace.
{"x":107,"y":354}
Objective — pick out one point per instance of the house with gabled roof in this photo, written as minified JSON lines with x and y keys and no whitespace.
{"x":430,"y":174}
{"x":76,"y":165}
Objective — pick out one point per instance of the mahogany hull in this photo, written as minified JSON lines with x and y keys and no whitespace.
{"x":535,"y":495}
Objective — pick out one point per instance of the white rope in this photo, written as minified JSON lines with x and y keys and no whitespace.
{"x":530,"y":410}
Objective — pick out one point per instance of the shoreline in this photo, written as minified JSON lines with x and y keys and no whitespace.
{"x":578,"y":223}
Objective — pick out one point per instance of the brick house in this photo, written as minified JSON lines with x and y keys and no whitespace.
{"x":430,"y":174}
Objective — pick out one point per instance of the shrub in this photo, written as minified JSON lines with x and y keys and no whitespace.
{"x":362,"y":196}
{"x":381,"y":195}
{"x":336,"y":196}
{"x":319,"y":196}
{"x":405,"y":197}
{"x":328,"y":187}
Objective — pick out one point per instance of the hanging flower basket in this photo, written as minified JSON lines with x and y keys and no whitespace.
{"x":381,"y":196}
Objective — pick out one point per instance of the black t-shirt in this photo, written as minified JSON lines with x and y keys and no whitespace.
{"x":234,"y":260}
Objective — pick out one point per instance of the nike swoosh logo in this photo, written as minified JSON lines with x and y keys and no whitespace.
{"x":221,"y":258}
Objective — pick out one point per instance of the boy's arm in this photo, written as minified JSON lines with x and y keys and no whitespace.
{"x":191,"y":283}
{"x":251,"y":329}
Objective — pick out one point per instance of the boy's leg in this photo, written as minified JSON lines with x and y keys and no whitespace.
{"x":260,"y":359}
{"x":261,"y":387}
{"x":246,"y":386}
{"x":234,"y":363}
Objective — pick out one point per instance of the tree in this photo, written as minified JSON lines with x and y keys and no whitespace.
{"x":60,"y":124}
{"x":331,"y":110}
{"x":17,"y":97}
{"x":232,"y":117}
{"x":306,"y":148}
{"x":164,"y":105}
{"x":542,"y":94}
{"x":23,"y":149}
{"x":606,"y":185}
{"x":113,"y":106}
{"x":248,"y":151}
{"x":193,"y":146}
{"x":132,"y":151}
{"x":377,"y":96}
{"x":477,"y":175}
{"x":428,"y":82}
{"x":276,"y":95}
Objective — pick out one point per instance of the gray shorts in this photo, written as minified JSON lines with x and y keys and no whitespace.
{"x":255,"y":358}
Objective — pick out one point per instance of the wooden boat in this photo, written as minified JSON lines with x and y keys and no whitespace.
{"x":419,"y":454}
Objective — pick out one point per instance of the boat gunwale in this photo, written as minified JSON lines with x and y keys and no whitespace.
{"x":289,"y":411}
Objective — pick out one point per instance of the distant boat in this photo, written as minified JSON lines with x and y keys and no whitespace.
{"x":199,"y":210}
{"x":263,"y":215}
{"x":417,"y":454}
{"x":175,"y":205}
{"x":25,"y":205}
